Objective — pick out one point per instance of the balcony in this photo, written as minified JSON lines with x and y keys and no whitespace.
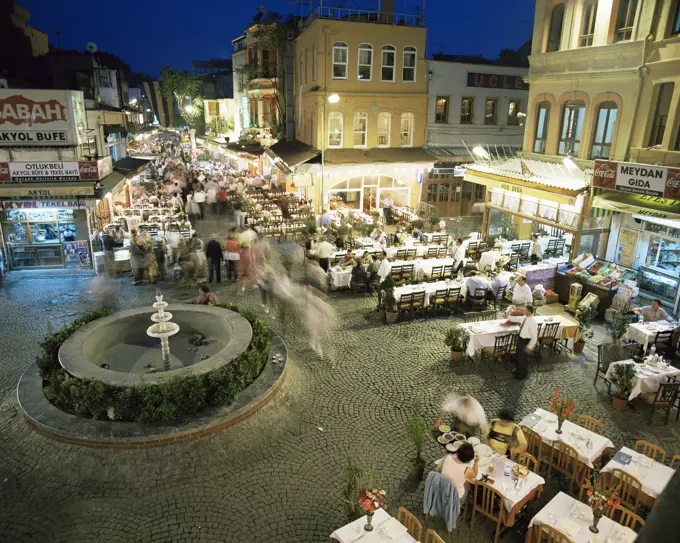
{"x":365,"y":16}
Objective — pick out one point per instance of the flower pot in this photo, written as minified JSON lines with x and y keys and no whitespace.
{"x":417,"y":471}
{"x":392,"y":316}
{"x":456,"y":356}
{"x":619,"y":403}
{"x":578,"y":346}
{"x":383,"y":316}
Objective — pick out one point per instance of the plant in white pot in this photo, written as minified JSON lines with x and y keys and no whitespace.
{"x":622,"y":379}
{"x":455,"y":340}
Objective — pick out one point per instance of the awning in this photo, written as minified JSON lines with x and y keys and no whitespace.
{"x":129,"y":165}
{"x":649,"y":206}
{"x":529,"y":189}
{"x":461,"y":153}
{"x":111,"y":181}
{"x":400,"y":155}
{"x":288,"y":154}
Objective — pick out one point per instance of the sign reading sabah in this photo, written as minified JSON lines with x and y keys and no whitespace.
{"x":644,"y":179}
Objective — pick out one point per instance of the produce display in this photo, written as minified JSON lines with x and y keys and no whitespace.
{"x":598,"y":272}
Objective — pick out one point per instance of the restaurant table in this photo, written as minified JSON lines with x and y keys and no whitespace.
{"x":653,"y":475}
{"x":429,"y":288}
{"x":574,"y":519}
{"x":589,"y":445}
{"x":421,"y":250}
{"x":645,"y":332}
{"x":354,"y":531}
{"x":483,"y":334}
{"x":542,"y":273}
{"x":423,"y":266}
{"x":340,"y":278}
{"x":648,"y":378}
{"x":489,"y":259}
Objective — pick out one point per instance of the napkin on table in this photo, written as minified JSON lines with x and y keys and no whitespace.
{"x":569,"y":527}
{"x":392,"y":528}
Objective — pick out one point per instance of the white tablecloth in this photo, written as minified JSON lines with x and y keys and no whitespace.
{"x":340,"y":278}
{"x":429,"y":288}
{"x":647,"y":378}
{"x":368,"y":243}
{"x":420,"y":250}
{"x":653,"y":475}
{"x":489,"y":259}
{"x":423,"y":266}
{"x":589,"y":445}
{"x":559,"y":509}
{"x":354,"y":531}
{"x":646,"y":332}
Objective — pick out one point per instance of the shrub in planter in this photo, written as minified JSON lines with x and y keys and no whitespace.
{"x":388,"y":300}
{"x":585,"y":316}
{"x":622,"y":379}
{"x":419,"y":224}
{"x":434,"y":222}
{"x":619,"y":326}
{"x":455,"y":340}
{"x":416,"y":431}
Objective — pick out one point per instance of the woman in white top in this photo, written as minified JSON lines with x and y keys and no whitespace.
{"x":456,"y":469}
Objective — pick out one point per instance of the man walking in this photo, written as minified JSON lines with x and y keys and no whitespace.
{"x":213,"y":251}
{"x":526,"y":341}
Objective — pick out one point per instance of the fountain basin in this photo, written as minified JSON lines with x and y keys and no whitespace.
{"x":120,"y":341}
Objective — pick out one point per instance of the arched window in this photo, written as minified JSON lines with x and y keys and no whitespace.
{"x":573,"y":115}
{"x":365,"y":64}
{"x":408,"y":71}
{"x":588,"y":23}
{"x":406,"y":130}
{"x":360,"y":130}
{"x":339,"y":60}
{"x":555,"y":30}
{"x":542,"y":120}
{"x":604,"y":131}
{"x":335,"y":122}
{"x":384,"y":128}
{"x":388,"y":54}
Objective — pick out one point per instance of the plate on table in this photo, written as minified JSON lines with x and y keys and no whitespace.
{"x":459,"y":437}
{"x":483,"y":450}
{"x":473,"y":441}
{"x":444,"y":428}
{"x":443,"y":440}
{"x":452,"y":447}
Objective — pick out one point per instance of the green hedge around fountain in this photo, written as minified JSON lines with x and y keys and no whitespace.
{"x":170,"y":400}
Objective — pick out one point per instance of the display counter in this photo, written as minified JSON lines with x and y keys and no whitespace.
{"x":656,"y":283}
{"x":563,"y":283}
{"x":43,"y":255}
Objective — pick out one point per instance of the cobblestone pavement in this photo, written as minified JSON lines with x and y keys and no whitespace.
{"x":277,"y":476}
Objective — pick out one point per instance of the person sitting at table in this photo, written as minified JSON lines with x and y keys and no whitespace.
{"x":653,"y":313}
{"x":501,"y":280}
{"x":366,"y":261}
{"x":418,"y":234}
{"x":456,"y":469}
{"x":472,"y":283}
{"x":349,"y":261}
{"x":357,"y":270}
{"x":504,"y":436}
{"x":536,"y":253}
{"x":311,"y":243}
{"x":521,"y":294}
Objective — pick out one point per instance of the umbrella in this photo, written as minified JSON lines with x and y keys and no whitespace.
{"x":466,"y":409}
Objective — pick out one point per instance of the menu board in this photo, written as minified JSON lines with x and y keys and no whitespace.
{"x":625,"y":253}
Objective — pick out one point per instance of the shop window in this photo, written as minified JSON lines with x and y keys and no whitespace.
{"x":444,"y":192}
{"x":408,"y":71}
{"x":441,"y":109}
{"x":388,"y":55}
{"x":625,"y":19}
{"x":479,"y":192}
{"x":384,"y":127}
{"x":339,"y":60}
{"x":663,"y":105}
{"x":572,"y":128}
{"x":360,"y":130}
{"x":335,"y":121}
{"x":555,"y":29}
{"x":431,"y":192}
{"x":365,"y":69}
{"x":604,"y":131}
{"x":491,"y":112}
{"x":467,"y":106}
{"x":456,"y":193}
{"x":542,"y":119}
{"x":513,"y":110}
{"x":588,"y":25}
{"x":406,"y":131}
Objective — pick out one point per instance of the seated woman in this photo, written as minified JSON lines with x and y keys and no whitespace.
{"x":456,"y":469}
{"x":349,"y":260}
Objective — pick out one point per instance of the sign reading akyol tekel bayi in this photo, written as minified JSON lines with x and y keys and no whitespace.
{"x":42,"y":118}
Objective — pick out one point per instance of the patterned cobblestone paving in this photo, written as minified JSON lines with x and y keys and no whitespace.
{"x":276,"y":477}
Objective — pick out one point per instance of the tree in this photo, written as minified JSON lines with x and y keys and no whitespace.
{"x":186,"y":90}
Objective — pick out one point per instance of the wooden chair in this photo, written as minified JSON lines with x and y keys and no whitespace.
{"x":535,"y":447}
{"x":418,"y":302}
{"x":548,"y":336}
{"x":663,"y":340}
{"x":633,"y":349}
{"x":524,"y":252}
{"x":432,"y":537}
{"x":551,"y":249}
{"x":591,"y":424}
{"x":559,"y":250}
{"x":602,"y":366}
{"x":675,"y":460}
{"x":564,"y":460}
{"x":513,"y":263}
{"x":500,"y":349}
{"x":411,"y":254}
{"x":488,"y":315}
{"x":439,"y":299}
{"x":472,"y":316}
{"x":412,"y":524}
{"x":448,"y":271}
{"x":629,"y":487}
{"x":490,"y":503}
{"x":665,"y":398}
{"x":432,"y":252}
{"x":626,"y":518}
{"x":401,"y":254}
{"x":435,"y":274}
{"x":497,"y":300}
{"x":407,"y":272}
{"x":650,"y":450}
{"x":453,"y":298}
{"x":478,"y":299}
{"x":542,"y":533}
{"x":405,"y":302}
{"x":397,"y":274}
{"x":525,"y":459}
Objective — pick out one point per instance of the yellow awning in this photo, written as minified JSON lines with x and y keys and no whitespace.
{"x":638,"y":204}
{"x":47,"y":190}
{"x":512,"y":185}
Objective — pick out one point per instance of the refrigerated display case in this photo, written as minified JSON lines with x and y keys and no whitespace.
{"x":657,"y":283}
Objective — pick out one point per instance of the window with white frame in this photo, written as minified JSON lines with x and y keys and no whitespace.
{"x":360,"y":130}
{"x":555,"y":29}
{"x":491,"y":111}
{"x":467,"y":106}
{"x":604,"y":131}
{"x":572,"y":128}
{"x":408,"y":71}
{"x":625,"y":19}
{"x":588,"y":24}
{"x":441,"y":109}
{"x":406,"y":130}
{"x":339,"y":60}
{"x":335,"y":129}
{"x":388,"y":55}
{"x":365,"y":64}
{"x":314,"y":63}
{"x":513,"y":110}
{"x":384,"y":127}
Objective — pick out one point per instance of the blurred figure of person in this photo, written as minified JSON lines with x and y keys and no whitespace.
{"x":213,"y":251}
{"x":385,"y":266}
{"x":504,"y":436}
{"x":238,"y":215}
{"x":316,"y":277}
{"x":176,"y":202}
{"x":469,"y":414}
{"x":458,"y":256}
{"x":536,"y":253}
{"x":521,"y":293}
{"x":149,"y":260}
{"x":311,"y":243}
{"x":382,"y":240}
{"x":324,"y":251}
{"x":136,"y":259}
{"x":233,"y":249}
{"x":222,"y":200}
{"x":205,"y":297}
{"x":198,"y":258}
{"x":199,"y":198}
{"x":387,"y":208}
{"x":162,"y":259}
{"x":418,"y":234}
{"x":191,"y":207}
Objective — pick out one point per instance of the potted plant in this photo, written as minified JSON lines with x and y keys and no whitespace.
{"x":416,"y":431}
{"x":622,"y":379}
{"x":585,"y":315}
{"x":455,"y":340}
{"x":619,"y":326}
{"x":419,"y":224}
{"x":388,"y":300}
{"x":311,"y":225}
{"x":434,"y":223}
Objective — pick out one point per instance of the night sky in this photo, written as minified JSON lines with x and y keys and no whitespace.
{"x":147,"y":34}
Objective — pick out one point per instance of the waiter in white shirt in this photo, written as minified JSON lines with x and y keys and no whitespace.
{"x":521,"y":294}
{"x":528,"y":337}
{"x":458,"y":255}
{"x":536,"y":253}
{"x":385,"y":266}
{"x":387,"y":208}
{"x":323,"y":253}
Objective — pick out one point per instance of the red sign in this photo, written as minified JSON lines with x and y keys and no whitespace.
{"x":18,"y":110}
{"x":4,"y":172}
{"x":646,"y":179}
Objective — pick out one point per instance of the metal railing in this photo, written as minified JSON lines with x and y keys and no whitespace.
{"x":365,"y":16}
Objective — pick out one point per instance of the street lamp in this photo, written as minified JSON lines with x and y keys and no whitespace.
{"x":334,"y":98}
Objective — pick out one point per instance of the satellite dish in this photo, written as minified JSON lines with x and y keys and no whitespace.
{"x":91,"y":47}
{"x":262,"y":8}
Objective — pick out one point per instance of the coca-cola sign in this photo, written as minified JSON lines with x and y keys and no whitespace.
{"x":54,"y":170}
{"x":645,"y":179}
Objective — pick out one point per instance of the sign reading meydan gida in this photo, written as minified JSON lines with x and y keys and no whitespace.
{"x":645,"y":179}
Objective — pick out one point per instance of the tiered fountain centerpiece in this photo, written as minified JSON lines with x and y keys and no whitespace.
{"x":162,"y":328}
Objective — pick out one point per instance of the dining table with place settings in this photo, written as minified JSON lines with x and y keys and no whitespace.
{"x":653,"y":475}
{"x":386,"y":529}
{"x":489,"y":259}
{"x":645,"y":332}
{"x":649,"y":376}
{"x":429,"y":288}
{"x":574,"y":518}
{"x":421,"y":250}
{"x":589,"y":445}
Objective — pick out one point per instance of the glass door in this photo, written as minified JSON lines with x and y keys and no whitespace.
{"x":653,"y":252}
{"x":669,"y":255}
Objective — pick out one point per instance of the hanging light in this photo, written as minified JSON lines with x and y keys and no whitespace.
{"x":334,"y":98}
{"x":481,"y":152}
